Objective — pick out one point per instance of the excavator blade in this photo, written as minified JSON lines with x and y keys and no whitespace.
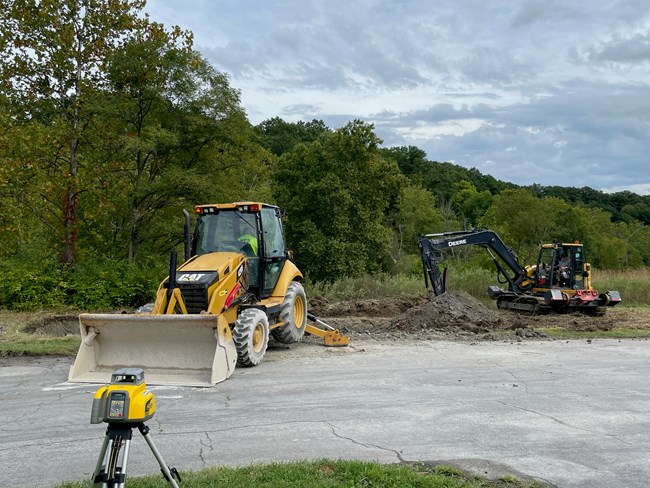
{"x":188,"y":350}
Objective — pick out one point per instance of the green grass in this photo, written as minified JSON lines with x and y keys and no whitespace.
{"x":633,"y":285}
{"x":40,"y":346}
{"x":325,"y":474}
{"x":368,"y":287}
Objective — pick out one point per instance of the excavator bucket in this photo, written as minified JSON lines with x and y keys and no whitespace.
{"x":188,"y":350}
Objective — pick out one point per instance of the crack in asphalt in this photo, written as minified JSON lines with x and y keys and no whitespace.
{"x":208,"y":445}
{"x":367,"y":446}
{"x":507,"y":371}
{"x":565,"y":424}
{"x":259,"y":425}
{"x":518,"y":379}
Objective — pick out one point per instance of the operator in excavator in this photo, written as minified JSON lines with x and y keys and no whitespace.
{"x":562,"y":269}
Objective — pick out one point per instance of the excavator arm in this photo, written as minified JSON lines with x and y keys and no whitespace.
{"x":434,"y":246}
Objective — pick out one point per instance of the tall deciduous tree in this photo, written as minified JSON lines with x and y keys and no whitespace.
{"x":417,"y":214}
{"x":51,"y":64}
{"x":279,"y":136}
{"x":337,"y":192}
{"x":523,"y":221}
{"x":471,"y":203}
{"x":179,"y":136}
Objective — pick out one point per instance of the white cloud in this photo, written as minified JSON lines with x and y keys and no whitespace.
{"x":519,"y":90}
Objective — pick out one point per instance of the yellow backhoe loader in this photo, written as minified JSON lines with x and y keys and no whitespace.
{"x":236,"y":287}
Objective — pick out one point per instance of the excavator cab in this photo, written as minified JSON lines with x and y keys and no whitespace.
{"x":562,"y":265}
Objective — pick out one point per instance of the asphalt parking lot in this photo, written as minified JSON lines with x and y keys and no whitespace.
{"x":569,"y":413}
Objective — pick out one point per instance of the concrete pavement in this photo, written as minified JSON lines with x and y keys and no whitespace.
{"x":574,"y":414}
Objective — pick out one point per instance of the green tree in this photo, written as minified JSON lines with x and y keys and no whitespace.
{"x":524,"y":221}
{"x":279,"y":136}
{"x":471,"y":204}
{"x":412,"y":161}
{"x":52,"y":55}
{"x":337,"y":192}
{"x":176,"y":135}
{"x":417,"y":214}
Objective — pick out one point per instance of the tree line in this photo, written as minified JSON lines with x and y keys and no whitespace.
{"x":112,"y":123}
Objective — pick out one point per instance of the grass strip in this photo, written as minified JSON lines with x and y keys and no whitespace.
{"x":40,"y":346}
{"x":327,"y":474}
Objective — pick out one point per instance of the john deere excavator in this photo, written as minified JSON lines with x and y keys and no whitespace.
{"x":560,"y":281}
{"x":236,"y":287}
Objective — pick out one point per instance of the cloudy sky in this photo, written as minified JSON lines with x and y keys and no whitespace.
{"x":530,"y":91}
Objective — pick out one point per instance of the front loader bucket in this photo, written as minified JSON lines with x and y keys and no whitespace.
{"x":189,"y":350}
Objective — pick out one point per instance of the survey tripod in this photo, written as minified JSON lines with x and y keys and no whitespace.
{"x":109,"y":473}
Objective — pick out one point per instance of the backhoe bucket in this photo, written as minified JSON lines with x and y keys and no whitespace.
{"x":188,"y":350}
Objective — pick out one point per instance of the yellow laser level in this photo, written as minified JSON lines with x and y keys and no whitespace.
{"x":124,"y":405}
{"x":125,"y":400}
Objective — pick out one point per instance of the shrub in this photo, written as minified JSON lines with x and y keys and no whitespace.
{"x":28,"y":284}
{"x":106,"y":283}
{"x":95,"y":283}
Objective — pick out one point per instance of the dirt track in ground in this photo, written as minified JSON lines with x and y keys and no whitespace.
{"x":459,"y":316}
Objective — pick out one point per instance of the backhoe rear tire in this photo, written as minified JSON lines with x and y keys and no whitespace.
{"x":294,"y":315}
{"x":251,"y":336}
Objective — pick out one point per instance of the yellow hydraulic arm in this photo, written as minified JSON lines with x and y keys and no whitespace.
{"x":331,"y":336}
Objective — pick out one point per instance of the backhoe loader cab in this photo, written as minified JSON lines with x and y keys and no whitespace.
{"x":254,"y":230}
{"x":236,"y":287}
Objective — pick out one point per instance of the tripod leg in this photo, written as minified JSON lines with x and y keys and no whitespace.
{"x":169,"y":474}
{"x":122,"y":469}
{"x":112,"y":468}
{"x":112,"y":474}
{"x":97,"y":474}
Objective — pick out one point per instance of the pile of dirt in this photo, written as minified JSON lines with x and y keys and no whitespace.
{"x":54,"y":325}
{"x":319,"y":306}
{"x":453,"y":310}
{"x":455,"y":315}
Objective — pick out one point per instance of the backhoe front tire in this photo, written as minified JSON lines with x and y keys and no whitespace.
{"x":251,"y":336}
{"x":294,"y":315}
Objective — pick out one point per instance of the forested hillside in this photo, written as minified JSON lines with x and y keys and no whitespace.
{"x":111,"y":124}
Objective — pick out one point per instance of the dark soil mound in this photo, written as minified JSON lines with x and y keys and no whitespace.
{"x":54,"y":325}
{"x":362,"y":308}
{"x":454,"y":315}
{"x":455,"y":309}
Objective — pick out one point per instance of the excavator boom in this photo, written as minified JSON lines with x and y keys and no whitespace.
{"x":434,"y":246}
